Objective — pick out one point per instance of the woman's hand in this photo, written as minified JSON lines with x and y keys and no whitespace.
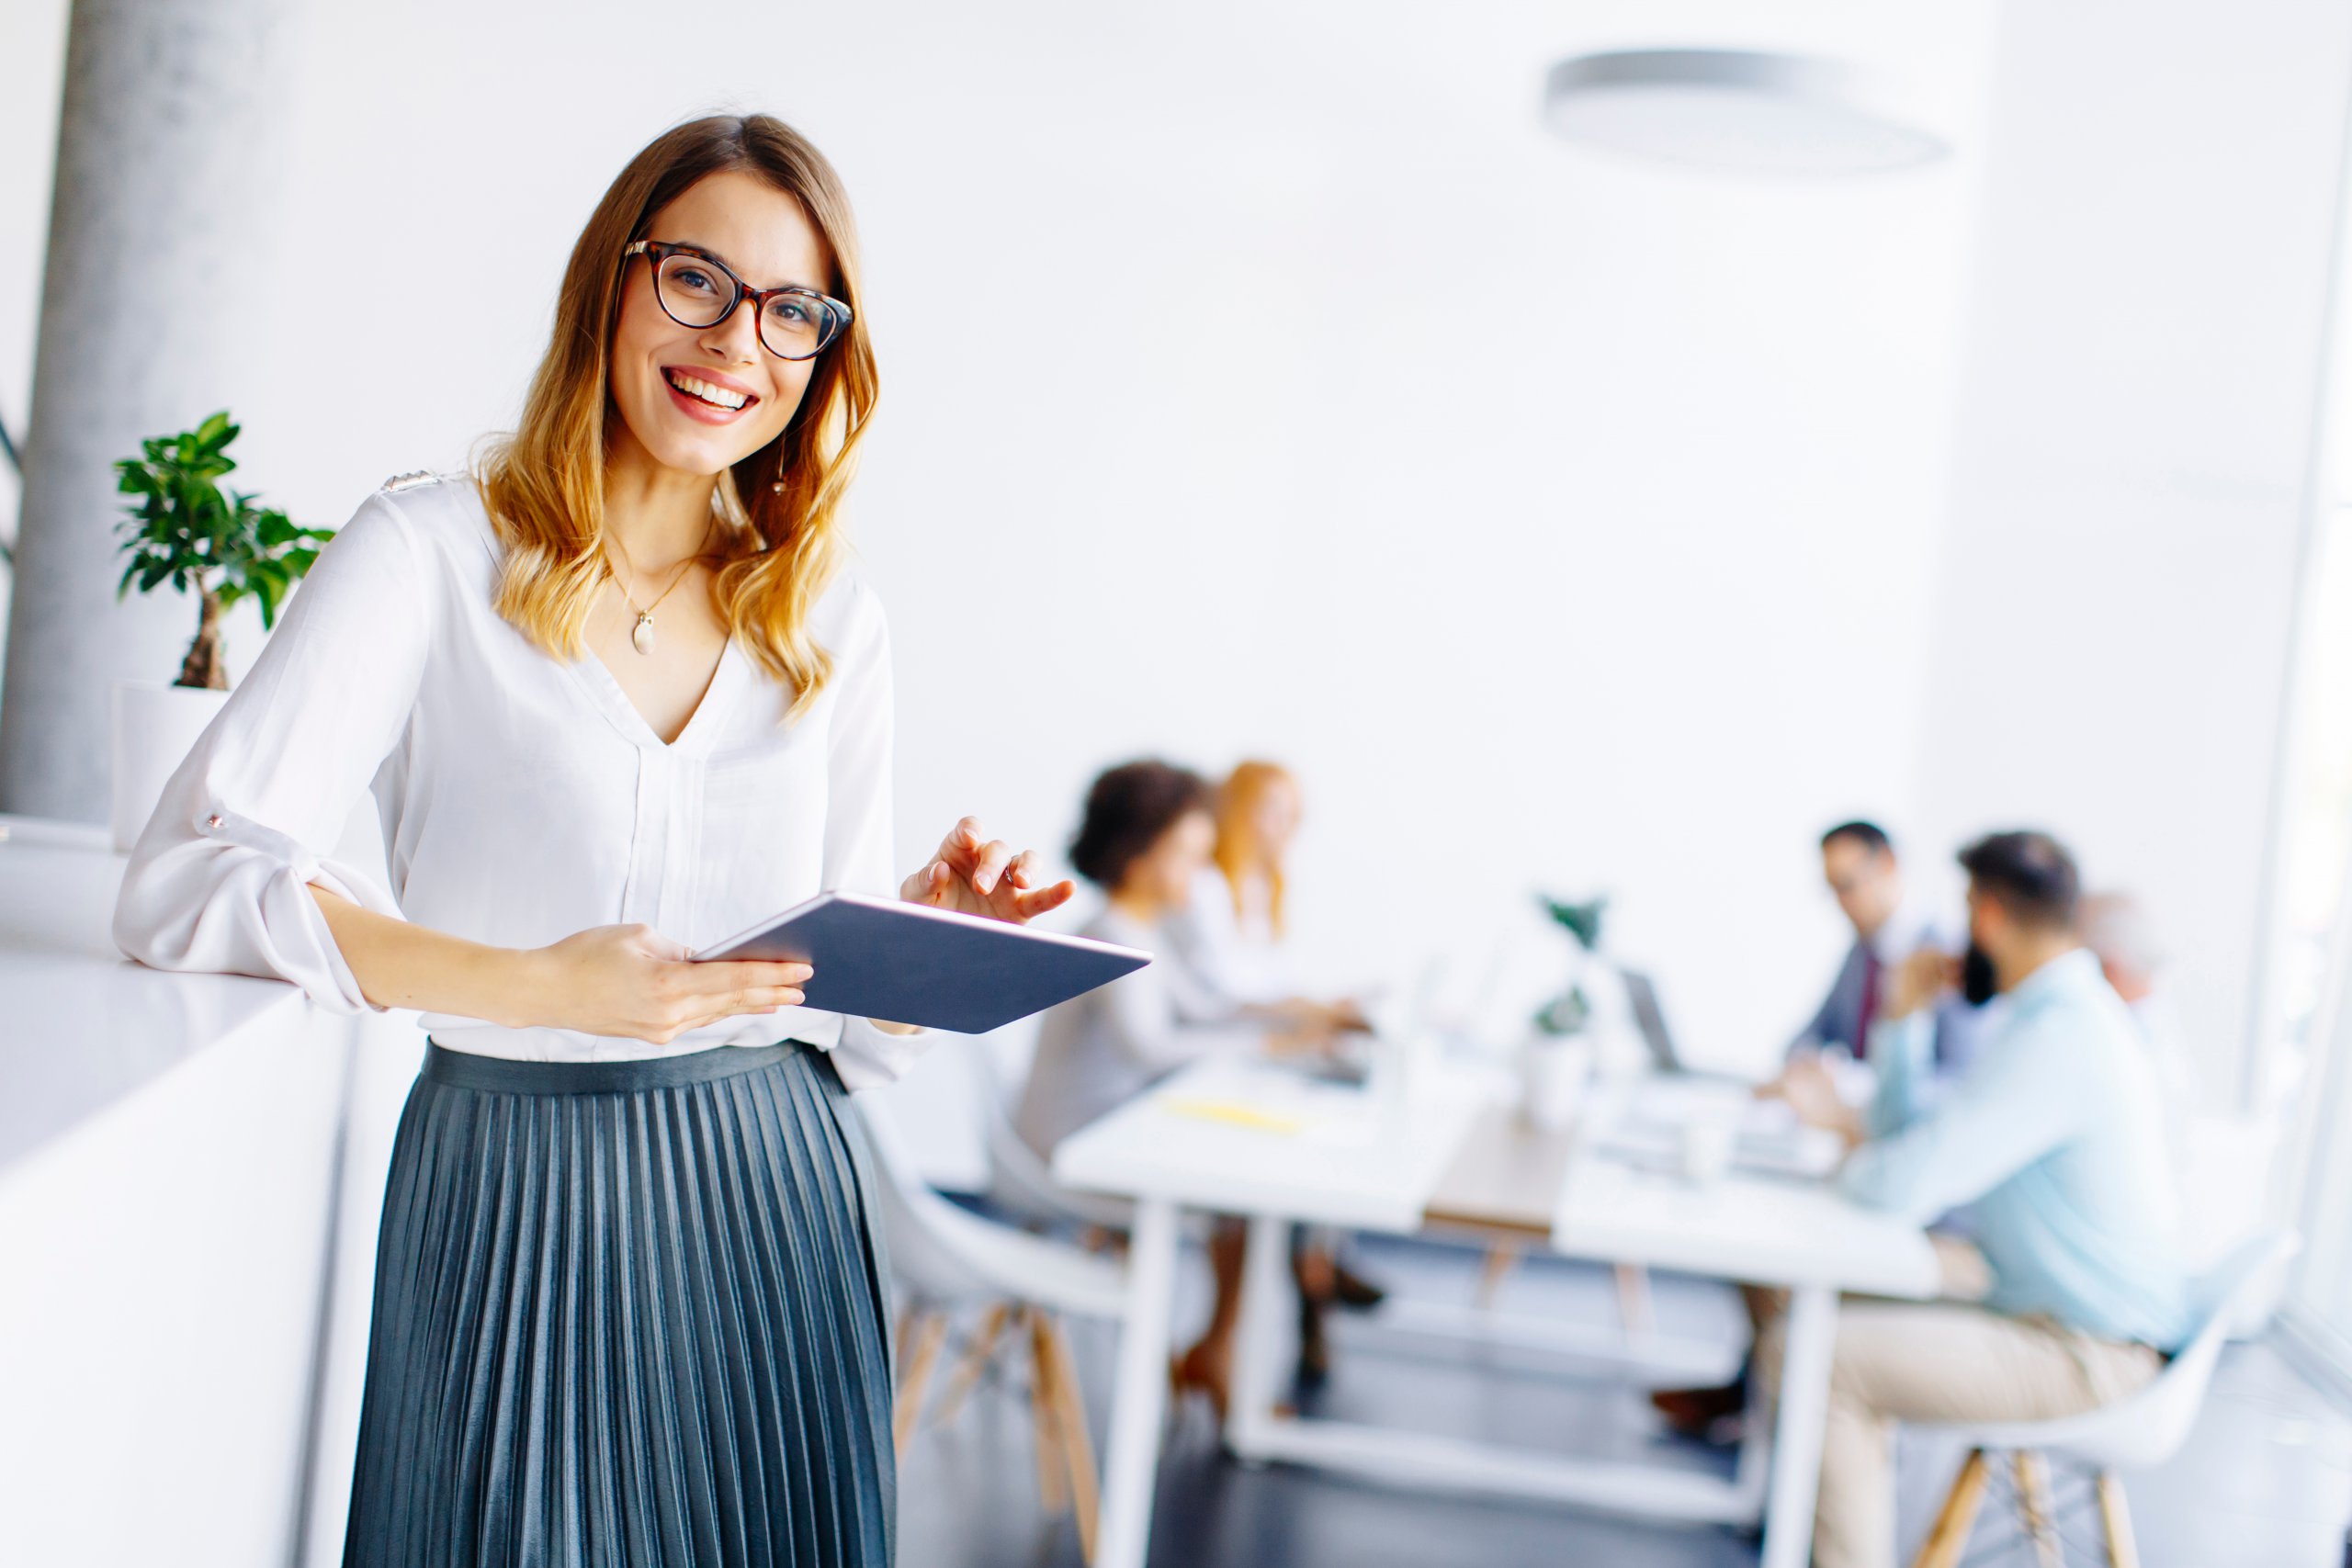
{"x":635,"y":983}
{"x":978,"y":876}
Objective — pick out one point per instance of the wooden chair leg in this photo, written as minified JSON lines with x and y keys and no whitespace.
{"x":2033,"y":1507}
{"x":925,"y":1330}
{"x":1501,"y":1258}
{"x":1052,"y":1477}
{"x":2123,"y":1551}
{"x":1078,"y":1445}
{"x":1633,"y":1309}
{"x":1949,"y":1537}
{"x":967,"y":1375}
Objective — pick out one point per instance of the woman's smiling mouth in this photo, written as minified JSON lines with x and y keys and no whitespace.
{"x":716,"y":402}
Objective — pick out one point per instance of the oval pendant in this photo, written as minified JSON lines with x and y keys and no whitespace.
{"x":640,"y":635}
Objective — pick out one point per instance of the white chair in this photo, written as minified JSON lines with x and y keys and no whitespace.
{"x":1018,"y":1179}
{"x":2136,"y":1432}
{"x":945,"y":1257}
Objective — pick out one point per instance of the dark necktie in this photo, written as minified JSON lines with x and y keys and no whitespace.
{"x":1870,"y":969}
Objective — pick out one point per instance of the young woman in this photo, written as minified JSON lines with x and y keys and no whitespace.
{"x":628,"y":1306}
{"x":1229,"y":936}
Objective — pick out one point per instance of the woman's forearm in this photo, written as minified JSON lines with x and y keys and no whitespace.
{"x":400,"y":963}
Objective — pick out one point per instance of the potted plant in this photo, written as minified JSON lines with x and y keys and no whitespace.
{"x":1558,"y":1054}
{"x":183,"y":529}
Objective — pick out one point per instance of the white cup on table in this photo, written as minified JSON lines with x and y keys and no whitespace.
{"x":1709,"y":1138}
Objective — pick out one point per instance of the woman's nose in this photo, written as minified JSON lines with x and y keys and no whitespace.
{"x":737,"y":337}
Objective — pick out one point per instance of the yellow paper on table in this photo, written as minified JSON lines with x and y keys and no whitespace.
{"x":1237,"y":1113}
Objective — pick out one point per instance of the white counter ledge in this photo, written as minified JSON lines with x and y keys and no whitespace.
{"x":190,"y":1170}
{"x":84,"y":1026}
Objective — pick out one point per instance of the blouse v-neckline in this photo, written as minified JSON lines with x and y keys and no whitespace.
{"x":604,"y":688}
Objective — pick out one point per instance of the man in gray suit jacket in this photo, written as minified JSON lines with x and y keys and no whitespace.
{"x":1858,"y":862}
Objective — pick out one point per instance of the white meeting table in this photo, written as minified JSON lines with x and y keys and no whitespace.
{"x":1245,"y":1138}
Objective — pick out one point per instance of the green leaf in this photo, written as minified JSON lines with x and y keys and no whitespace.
{"x":1581,"y":920}
{"x":181,"y":526}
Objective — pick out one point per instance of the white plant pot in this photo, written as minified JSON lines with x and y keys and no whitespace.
{"x":1551,"y":1073}
{"x":154,"y":726}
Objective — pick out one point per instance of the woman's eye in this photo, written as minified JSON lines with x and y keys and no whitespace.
{"x":694,"y":278}
{"x":794,"y":312}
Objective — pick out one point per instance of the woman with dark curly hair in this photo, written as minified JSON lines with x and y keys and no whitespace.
{"x":1146,"y":835}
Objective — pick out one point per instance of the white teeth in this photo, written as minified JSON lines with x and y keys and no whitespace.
{"x":717,"y":396}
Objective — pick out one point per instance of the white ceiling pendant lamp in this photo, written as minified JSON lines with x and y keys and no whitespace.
{"x":1739,"y":110}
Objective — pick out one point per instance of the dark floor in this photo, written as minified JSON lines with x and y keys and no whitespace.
{"x":2266,"y":1482}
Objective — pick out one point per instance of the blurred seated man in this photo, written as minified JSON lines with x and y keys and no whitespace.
{"x":1858,"y":862}
{"x":2053,"y":1134}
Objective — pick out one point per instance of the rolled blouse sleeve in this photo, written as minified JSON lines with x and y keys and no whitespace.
{"x":859,"y":847}
{"x":216,"y":879}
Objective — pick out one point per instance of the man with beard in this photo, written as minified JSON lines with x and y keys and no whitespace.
{"x":2054,"y":1138}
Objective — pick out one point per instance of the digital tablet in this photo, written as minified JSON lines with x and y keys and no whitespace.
{"x":911,"y":964}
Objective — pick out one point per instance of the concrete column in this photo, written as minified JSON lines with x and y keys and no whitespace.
{"x":163,"y":184}
{"x":2147,"y":329}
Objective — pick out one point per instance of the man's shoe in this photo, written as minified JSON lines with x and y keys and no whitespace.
{"x":1353,"y":1291}
{"x":1703,"y":1415}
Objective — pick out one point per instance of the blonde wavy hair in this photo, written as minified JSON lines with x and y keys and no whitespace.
{"x":1240,"y":851}
{"x":543,"y":485}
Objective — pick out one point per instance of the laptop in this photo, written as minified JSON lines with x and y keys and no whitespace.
{"x":1770,"y":1142}
{"x":1650,"y":1019}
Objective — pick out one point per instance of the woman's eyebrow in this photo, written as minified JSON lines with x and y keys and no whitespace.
{"x":709,"y":254}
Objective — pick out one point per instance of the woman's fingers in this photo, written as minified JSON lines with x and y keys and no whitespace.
{"x":724,"y":975}
{"x":1003,"y":881}
{"x":657,"y":945}
{"x":1028,"y":906}
{"x":961,"y":848}
{"x":987,"y":869}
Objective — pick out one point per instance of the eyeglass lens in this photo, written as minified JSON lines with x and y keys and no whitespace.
{"x":697,"y":293}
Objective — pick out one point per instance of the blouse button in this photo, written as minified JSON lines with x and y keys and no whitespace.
{"x":214,"y":820}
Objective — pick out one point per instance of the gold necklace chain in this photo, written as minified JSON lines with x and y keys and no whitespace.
{"x":640,"y":635}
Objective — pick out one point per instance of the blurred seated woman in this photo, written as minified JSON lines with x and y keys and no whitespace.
{"x":1146,"y":835}
{"x":1230,"y":936}
{"x":1145,"y":839}
{"x":1229,"y":933}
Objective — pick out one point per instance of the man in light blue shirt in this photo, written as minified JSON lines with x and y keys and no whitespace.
{"x":2053,"y":1136}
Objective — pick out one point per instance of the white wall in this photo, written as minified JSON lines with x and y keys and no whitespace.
{"x":2146,"y":333}
{"x":1261,"y":380}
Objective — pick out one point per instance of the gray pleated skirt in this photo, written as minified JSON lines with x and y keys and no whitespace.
{"x":626,"y":1314}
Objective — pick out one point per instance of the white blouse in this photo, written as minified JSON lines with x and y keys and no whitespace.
{"x":1098,"y":1051}
{"x":1237,"y":956}
{"x":522,"y":798}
